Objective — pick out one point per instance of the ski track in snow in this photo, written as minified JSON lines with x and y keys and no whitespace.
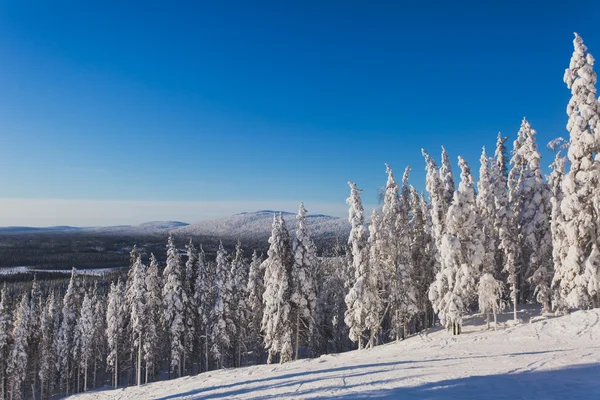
{"x":554,"y":358}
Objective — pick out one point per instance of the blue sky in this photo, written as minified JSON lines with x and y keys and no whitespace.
{"x":250,"y":103}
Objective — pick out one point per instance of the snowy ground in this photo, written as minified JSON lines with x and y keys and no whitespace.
{"x":556,"y":358}
{"x":66,"y":271}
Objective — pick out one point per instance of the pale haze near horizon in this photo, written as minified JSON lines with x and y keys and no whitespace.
{"x":55,"y":212}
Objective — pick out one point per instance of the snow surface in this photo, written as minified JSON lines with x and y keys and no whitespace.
{"x":257,"y":226}
{"x":557,"y":358}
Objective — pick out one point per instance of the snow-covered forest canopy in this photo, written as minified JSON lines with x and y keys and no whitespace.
{"x":513,"y":237}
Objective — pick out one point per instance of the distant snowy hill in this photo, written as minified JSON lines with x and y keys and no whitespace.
{"x":257,"y":226}
{"x":145,"y":228}
{"x":556,"y":358}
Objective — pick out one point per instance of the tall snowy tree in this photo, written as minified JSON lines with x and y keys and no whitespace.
{"x":579,"y":278}
{"x":396,"y":259}
{"x":138,"y":315}
{"x":48,"y":327}
{"x":191,"y":309}
{"x":36,"y":306}
{"x":447,"y":179}
{"x":205,"y":300}
{"x":86,"y":325}
{"x":115,"y":326}
{"x":360,"y":295}
{"x":276,"y":323}
{"x":489,"y":288}
{"x":67,"y":334}
{"x":152,"y":334}
{"x":558,"y":235}
{"x":438,"y":211}
{"x":4,"y":343}
{"x":223,"y":326}
{"x":535,"y":218}
{"x":238,"y":276}
{"x":17,"y":358}
{"x":304,"y":296}
{"x":255,"y":290}
{"x":461,"y":253}
{"x":174,"y":299}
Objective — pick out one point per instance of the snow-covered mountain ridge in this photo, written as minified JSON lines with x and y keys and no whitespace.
{"x":257,"y":226}
{"x":557,"y":358}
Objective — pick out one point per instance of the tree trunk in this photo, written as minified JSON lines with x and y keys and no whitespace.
{"x":495,"y":321}
{"x":85,"y":374}
{"x":139,"y":362}
{"x":487,"y":318}
{"x":297,"y":335}
{"x":116,"y":368}
{"x":515,"y":304}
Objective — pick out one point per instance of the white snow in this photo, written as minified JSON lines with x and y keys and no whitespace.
{"x":555,"y":358}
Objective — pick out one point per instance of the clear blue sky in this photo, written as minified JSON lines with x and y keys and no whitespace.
{"x":263,"y":102}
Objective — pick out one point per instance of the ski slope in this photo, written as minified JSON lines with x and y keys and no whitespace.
{"x":557,"y":358}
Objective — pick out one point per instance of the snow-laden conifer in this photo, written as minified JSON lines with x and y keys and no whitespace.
{"x":223,"y":326}
{"x":67,"y":335}
{"x":17,"y":358}
{"x":461,"y":254}
{"x":174,"y":299}
{"x":276,"y":323}
{"x":205,"y":299}
{"x":303,"y":285}
{"x":357,"y":299}
{"x":238,"y":278}
{"x":191,"y":309}
{"x":86,"y":325}
{"x":580,"y":283}
{"x":115,"y":327}
{"x":255,"y":290}
{"x":138,"y":315}
{"x":153,"y":332}
{"x":489,"y":288}
{"x":4,"y":341}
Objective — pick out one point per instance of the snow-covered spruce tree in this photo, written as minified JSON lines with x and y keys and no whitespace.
{"x":433,"y":185}
{"x":115,"y":327}
{"x":398,"y":272}
{"x":138,"y":315}
{"x":501,"y":155}
{"x":558,"y":234}
{"x":48,"y":327}
{"x":372,"y":282}
{"x":36,"y":306}
{"x":204,"y":292}
{"x":153,"y":332}
{"x":238,"y":276}
{"x":17,"y":358}
{"x":276,"y":323}
{"x":255,"y":290}
{"x":579,"y":280}
{"x":423,"y":256}
{"x":360,"y":298}
{"x":86,"y":326}
{"x":66,"y":340}
{"x":461,"y":254}
{"x":99,"y":345}
{"x":489,"y":288}
{"x":191,"y":309}
{"x":536,"y":232}
{"x":499,"y":171}
{"x":447,"y":179}
{"x":303,"y":285}
{"x":174,"y":299}
{"x":4,"y":341}
{"x":222,"y":327}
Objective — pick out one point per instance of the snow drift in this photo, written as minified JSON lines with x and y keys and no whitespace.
{"x":557,"y":358}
